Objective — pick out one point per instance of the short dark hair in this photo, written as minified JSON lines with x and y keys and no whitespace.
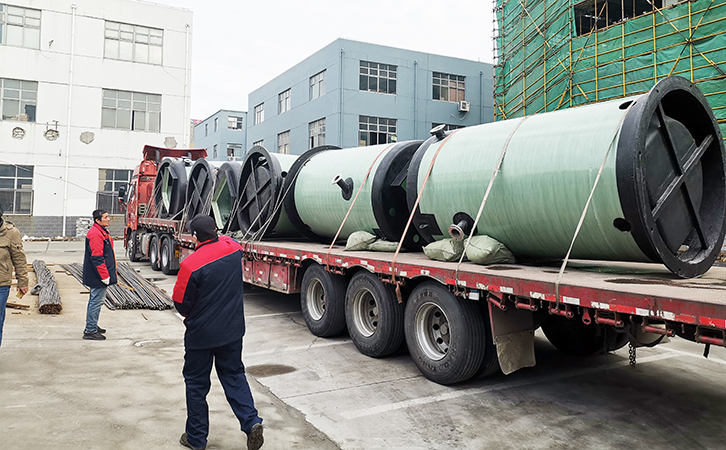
{"x":98,"y":214}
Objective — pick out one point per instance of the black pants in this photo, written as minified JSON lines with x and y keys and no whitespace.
{"x":231,"y":373}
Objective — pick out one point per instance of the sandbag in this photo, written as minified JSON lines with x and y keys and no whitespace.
{"x":382,"y":245}
{"x":359,"y":240}
{"x":486,"y":250}
{"x":444,"y":250}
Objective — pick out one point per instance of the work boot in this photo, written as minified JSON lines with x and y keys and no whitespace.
{"x":95,"y":336}
{"x":100,"y":330}
{"x":183,"y":441}
{"x":255,"y":438}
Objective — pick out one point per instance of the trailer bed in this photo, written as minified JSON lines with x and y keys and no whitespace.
{"x":642,"y":289}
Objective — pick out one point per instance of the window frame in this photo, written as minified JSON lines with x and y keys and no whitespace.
{"x":317,"y":139}
{"x":261,"y":143}
{"x":133,"y":100}
{"x":26,"y":27}
{"x":21,"y":95}
{"x":260,"y":113}
{"x":444,"y":84}
{"x":234,"y":147}
{"x":137,"y":36}
{"x":370,"y":71}
{"x":116,"y":182}
{"x":284,"y":101}
{"x":283,"y":143}
{"x":317,"y":85}
{"x":372,"y":127}
{"x":235,"y":123}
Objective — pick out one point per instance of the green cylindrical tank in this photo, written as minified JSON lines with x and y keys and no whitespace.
{"x":325,"y":182}
{"x":200,"y":187}
{"x":224,"y":196}
{"x":661,"y":196}
{"x":170,"y":187}
{"x":259,"y":204}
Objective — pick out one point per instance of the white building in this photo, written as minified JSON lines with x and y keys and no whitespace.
{"x":84,"y":85}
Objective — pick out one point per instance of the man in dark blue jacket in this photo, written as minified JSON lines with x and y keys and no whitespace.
{"x":99,"y":271}
{"x":208,"y":293}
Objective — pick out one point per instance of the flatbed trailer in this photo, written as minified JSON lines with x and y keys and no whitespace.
{"x":479,"y":319}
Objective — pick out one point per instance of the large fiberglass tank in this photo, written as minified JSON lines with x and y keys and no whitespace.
{"x":324,"y":181}
{"x":200,"y":187}
{"x":170,"y":187}
{"x":224,"y":197}
{"x":258,"y":210}
{"x":661,"y":196}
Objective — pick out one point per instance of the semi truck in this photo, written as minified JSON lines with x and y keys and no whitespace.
{"x":457,"y":320}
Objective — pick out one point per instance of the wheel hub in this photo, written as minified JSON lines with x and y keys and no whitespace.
{"x":365,"y":312}
{"x":315,"y":298}
{"x":432,"y":331}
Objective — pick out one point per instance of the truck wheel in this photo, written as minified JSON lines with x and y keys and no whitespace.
{"x":373,"y":315}
{"x":573,"y":337}
{"x":166,"y":255}
{"x":132,"y":248}
{"x":322,"y":299}
{"x":445,"y":335}
{"x":154,"y":253}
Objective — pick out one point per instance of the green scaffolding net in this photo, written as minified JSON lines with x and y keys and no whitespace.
{"x":554,"y":54}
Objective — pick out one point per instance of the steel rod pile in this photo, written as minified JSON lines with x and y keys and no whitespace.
{"x":132,"y":291}
{"x":49,"y":299}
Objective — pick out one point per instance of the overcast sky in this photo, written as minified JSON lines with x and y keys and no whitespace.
{"x":240,"y":45}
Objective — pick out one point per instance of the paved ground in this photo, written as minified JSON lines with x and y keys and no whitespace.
{"x":60,"y":392}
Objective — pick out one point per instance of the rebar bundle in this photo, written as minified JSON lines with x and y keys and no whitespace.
{"x":49,"y":299}
{"x":132,"y":291}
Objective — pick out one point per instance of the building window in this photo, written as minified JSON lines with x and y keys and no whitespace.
{"x":449,"y":88}
{"x":376,"y":77}
{"x":216,"y":124}
{"x":234,"y":151}
{"x":317,"y":85}
{"x":18,"y":99}
{"x":283,"y":143}
{"x":16,"y":189}
{"x":259,"y":113}
{"x":206,"y":129}
{"x":317,"y":133}
{"x":376,"y":130}
{"x":448,"y":127}
{"x":124,"y":110}
{"x":260,"y":143}
{"x":109,"y":181}
{"x":283,"y":100}
{"x":19,"y":27}
{"x":133,"y":43}
{"x":234,"y":123}
{"x":214,"y":153}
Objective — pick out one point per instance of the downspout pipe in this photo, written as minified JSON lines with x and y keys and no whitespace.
{"x":342,"y":116}
{"x":415,"y":99}
{"x":68,"y":119}
{"x":187,"y":121}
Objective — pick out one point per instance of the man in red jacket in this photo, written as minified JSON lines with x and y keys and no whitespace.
{"x":208,"y":293}
{"x":99,"y":271}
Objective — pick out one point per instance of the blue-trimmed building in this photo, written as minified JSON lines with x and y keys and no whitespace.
{"x":352,"y":94}
{"x":223,"y":134}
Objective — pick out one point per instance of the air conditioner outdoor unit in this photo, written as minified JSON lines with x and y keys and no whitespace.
{"x":463,"y":106}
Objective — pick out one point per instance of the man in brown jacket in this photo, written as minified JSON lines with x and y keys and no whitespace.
{"x":11,"y":256}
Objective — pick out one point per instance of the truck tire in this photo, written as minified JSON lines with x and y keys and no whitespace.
{"x":166,"y":256}
{"x":154,"y":253}
{"x":373,"y":315}
{"x":445,"y":335}
{"x":132,"y":248}
{"x":322,"y":300}
{"x":573,"y":337}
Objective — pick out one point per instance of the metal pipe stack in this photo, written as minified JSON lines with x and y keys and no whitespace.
{"x":49,"y":301}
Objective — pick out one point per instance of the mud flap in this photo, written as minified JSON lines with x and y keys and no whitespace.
{"x":513,"y":334}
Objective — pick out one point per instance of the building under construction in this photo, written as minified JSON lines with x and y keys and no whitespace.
{"x":554,"y":54}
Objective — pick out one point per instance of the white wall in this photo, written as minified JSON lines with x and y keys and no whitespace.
{"x":50,"y":66}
